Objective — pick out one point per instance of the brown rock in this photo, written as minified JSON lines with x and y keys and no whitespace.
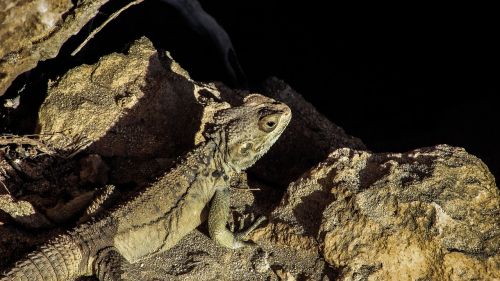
{"x":93,"y":169}
{"x":430,"y":214}
{"x":34,"y":30}
{"x":144,"y":107}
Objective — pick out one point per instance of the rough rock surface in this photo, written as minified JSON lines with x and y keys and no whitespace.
{"x":34,"y":30}
{"x":429,"y":214}
{"x":143,"y":105}
{"x":140,"y":111}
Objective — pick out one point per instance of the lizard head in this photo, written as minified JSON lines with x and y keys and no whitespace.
{"x":251,"y":129}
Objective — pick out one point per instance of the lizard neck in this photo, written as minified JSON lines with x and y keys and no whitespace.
{"x":220,"y":155}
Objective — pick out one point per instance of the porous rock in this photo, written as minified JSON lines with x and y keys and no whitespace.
{"x":429,"y":214}
{"x":141,"y":110}
{"x":35,"y":30}
{"x":144,"y":107}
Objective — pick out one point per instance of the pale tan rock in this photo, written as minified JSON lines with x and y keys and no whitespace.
{"x":24,"y":22}
{"x":145,"y":107}
{"x":260,"y":262}
{"x":141,"y":108}
{"x":430,"y":214}
{"x":34,"y":30}
{"x":284,"y":275}
{"x":285,"y":235}
{"x":23,"y":212}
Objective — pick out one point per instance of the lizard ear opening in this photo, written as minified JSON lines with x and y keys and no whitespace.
{"x":245,"y":148}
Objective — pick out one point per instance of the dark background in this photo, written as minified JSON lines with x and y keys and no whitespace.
{"x":399,"y":78}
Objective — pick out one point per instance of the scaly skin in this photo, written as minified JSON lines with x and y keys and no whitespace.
{"x":176,"y":204}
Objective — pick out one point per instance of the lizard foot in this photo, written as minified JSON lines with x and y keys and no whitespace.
{"x":242,"y":236}
{"x":109,"y":265}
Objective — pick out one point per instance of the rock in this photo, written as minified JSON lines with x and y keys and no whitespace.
{"x":125,"y":105}
{"x":33,"y":31}
{"x":260,"y":261}
{"x":284,"y":275}
{"x":23,"y":212}
{"x":143,"y":110}
{"x":93,"y":169}
{"x":12,"y":103}
{"x":8,"y":174}
{"x":429,"y":214}
{"x":64,"y":211}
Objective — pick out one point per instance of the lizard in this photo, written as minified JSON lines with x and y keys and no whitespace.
{"x":195,"y":190}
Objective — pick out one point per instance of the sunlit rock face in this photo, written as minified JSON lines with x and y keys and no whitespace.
{"x":429,"y":214}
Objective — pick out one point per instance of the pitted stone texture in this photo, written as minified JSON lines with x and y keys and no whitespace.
{"x":141,"y":109}
{"x":144,"y":106}
{"x":430,"y":214}
{"x":35,"y":30}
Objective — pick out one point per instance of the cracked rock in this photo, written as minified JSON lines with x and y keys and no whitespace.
{"x":348,"y":214}
{"x":429,"y":214}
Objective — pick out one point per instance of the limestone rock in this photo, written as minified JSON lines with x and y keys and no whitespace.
{"x":429,"y":214}
{"x":143,"y":110}
{"x":34,"y":30}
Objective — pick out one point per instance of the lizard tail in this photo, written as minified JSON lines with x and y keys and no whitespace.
{"x":57,"y":260}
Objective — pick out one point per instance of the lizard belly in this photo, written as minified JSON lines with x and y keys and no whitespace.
{"x":153,"y":237}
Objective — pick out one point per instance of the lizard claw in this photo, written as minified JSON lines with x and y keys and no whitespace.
{"x":243,"y":235}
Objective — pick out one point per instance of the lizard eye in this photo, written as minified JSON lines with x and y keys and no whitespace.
{"x":268,"y":123}
{"x":245,"y":148}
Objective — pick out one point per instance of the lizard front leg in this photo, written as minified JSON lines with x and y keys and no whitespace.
{"x":217,"y":219}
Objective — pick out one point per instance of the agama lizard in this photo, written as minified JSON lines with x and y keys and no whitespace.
{"x":177,"y":203}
